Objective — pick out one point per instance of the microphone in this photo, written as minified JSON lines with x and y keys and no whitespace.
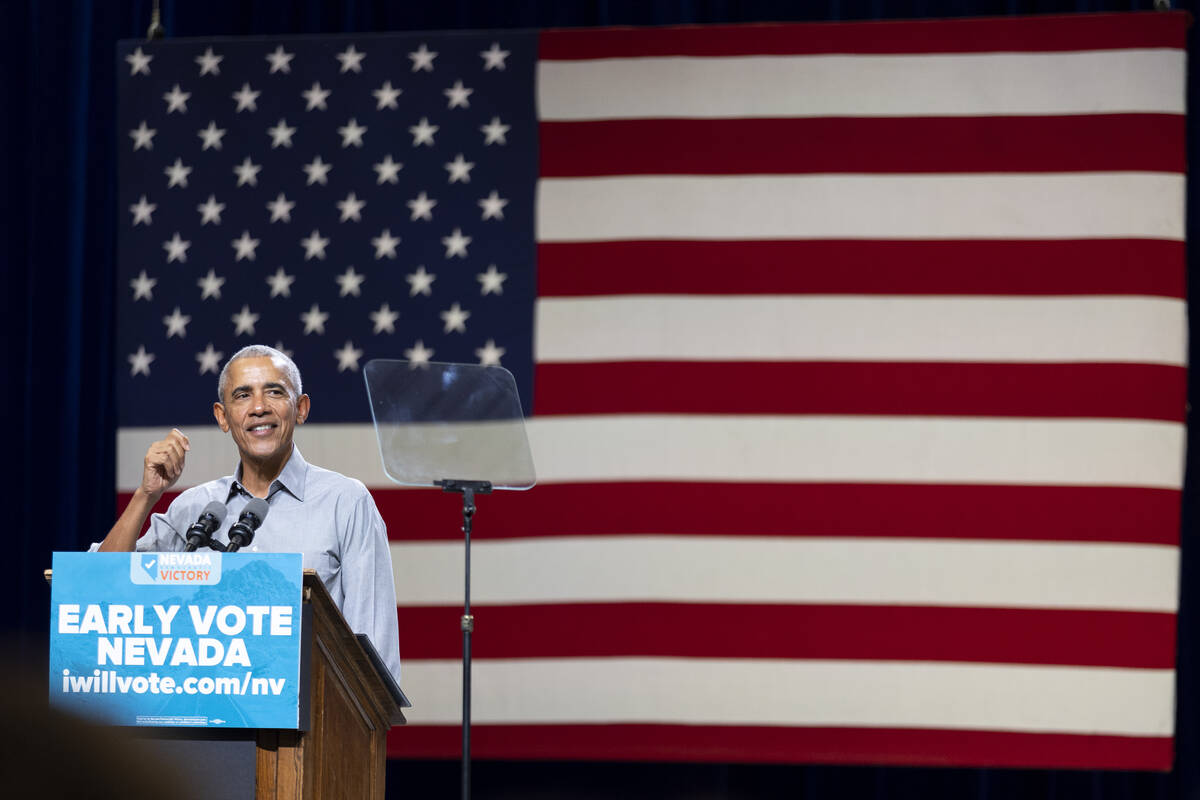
{"x":242,"y":532}
{"x":202,"y":529}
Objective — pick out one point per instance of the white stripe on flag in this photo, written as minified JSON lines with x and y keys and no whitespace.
{"x":983,"y":206}
{"x":746,"y":569}
{"x":854,"y":449}
{"x":1120,"y":81}
{"x":1111,"y":329}
{"x":858,"y":450}
{"x":812,"y":693}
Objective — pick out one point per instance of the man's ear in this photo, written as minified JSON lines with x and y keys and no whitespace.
{"x":303,"y":405}
{"x":219,"y":413}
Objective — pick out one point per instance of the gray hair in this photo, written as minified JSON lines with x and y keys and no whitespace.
{"x":281,"y":361}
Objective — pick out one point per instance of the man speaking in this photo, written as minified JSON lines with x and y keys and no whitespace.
{"x":329,"y":518}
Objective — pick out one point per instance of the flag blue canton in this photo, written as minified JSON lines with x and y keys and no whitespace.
{"x":344,"y":198}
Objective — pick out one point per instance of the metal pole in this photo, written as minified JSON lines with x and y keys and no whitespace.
{"x":467,"y":623}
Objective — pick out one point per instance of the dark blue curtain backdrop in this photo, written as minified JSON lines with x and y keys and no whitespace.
{"x":58,"y":140}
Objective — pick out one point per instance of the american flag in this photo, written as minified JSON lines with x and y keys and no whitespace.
{"x":854,"y":358}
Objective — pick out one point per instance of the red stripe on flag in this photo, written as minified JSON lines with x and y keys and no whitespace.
{"x":712,"y":630}
{"x":1143,"y":142}
{"x":1042,"y":33}
{"x":1032,"y":513}
{"x":1079,"y":267}
{"x":1125,"y":391}
{"x":785,"y":745}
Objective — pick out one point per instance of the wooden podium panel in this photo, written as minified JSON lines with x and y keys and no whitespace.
{"x":343,"y":753}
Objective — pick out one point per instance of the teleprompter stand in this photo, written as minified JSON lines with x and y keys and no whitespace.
{"x":468,"y":490}
{"x":438,"y":420}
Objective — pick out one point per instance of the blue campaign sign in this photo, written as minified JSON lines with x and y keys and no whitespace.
{"x":201,"y":639}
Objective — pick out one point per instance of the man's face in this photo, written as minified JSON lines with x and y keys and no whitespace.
{"x":260,"y":409}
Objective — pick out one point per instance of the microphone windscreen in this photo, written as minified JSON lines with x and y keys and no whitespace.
{"x":258,"y":507}
{"x":217,"y":509}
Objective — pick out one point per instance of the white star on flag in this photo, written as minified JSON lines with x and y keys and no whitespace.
{"x":142,"y":210}
{"x":143,"y":286}
{"x":244,"y":321}
{"x":388,"y":170}
{"x":139,"y":62}
{"x":455,"y":319}
{"x":280,"y":61}
{"x":493,"y":205}
{"x":350,"y":281}
{"x":247,"y":172}
{"x":177,"y":100}
{"x":457,"y":95}
{"x":493,"y":57}
{"x":352,"y":133}
{"x":176,"y":248}
{"x":423,"y":132}
{"x":211,"y":136}
{"x":281,"y":134}
{"x":210,"y":360}
{"x":139,"y":362}
{"x":176,"y":323}
{"x":489,"y":355}
{"x":456,"y":244}
{"x":245,"y":246}
{"x":317,"y":171}
{"x":314,"y":245}
{"x":143,"y":137}
{"x":491,"y":281}
{"x":351,"y":59}
{"x":281,"y":208}
{"x":421,"y":207}
{"x":314,"y":320}
{"x":316,"y":97}
{"x":177,"y":174}
{"x":281,"y":283}
{"x":422,"y":59}
{"x":348,"y":357}
{"x":459,"y":169}
{"x":418,"y":355}
{"x":494,"y":132}
{"x":210,"y":285}
{"x":209,"y":61}
{"x":385,"y":244}
{"x":351,"y":208}
{"x":385,"y":96}
{"x":384,"y":319}
{"x":246,"y":99}
{"x":210,"y":211}
{"x":420,"y":282}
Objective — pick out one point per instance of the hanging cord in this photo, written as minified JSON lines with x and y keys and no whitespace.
{"x":156,"y":30}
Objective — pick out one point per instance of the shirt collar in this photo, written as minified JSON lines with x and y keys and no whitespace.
{"x":291,"y":480}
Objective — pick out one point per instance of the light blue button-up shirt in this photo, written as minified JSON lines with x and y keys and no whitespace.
{"x":328,"y":518}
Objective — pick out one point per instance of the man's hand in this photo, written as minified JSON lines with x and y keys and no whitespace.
{"x":164,"y":464}
{"x":160,"y":470}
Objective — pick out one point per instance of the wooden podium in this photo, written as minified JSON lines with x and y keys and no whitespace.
{"x":348,"y":701}
{"x":350,"y":705}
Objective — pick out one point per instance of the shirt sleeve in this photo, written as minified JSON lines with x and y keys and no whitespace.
{"x":370,"y":590}
{"x":165,"y":533}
